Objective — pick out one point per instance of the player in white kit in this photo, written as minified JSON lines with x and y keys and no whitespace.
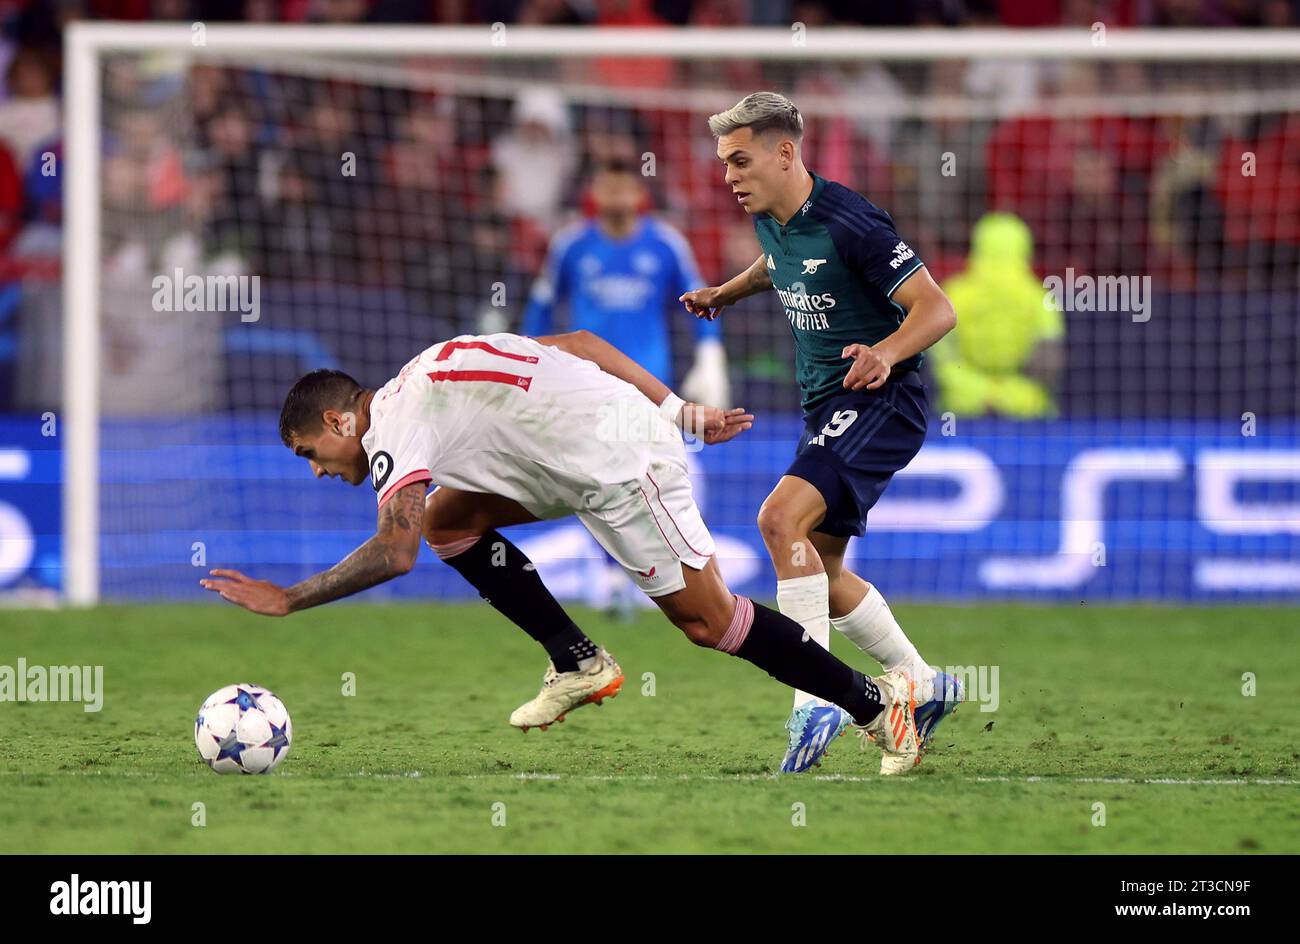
{"x":521,"y":429}
{"x":506,"y":415}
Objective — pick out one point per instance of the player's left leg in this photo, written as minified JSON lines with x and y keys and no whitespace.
{"x":853,"y":444}
{"x":461,"y":527}
{"x":711,"y":616}
{"x":860,"y":613}
{"x":785,"y":521}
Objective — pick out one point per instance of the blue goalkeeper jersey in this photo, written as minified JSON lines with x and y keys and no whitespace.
{"x":618,"y":289}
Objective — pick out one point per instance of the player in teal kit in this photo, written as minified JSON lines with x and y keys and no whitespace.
{"x":862,"y":307}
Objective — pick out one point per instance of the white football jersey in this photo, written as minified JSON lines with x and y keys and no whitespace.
{"x":506,"y":415}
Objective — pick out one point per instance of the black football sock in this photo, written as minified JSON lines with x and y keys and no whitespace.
{"x":779,"y":646}
{"x":507,"y":580}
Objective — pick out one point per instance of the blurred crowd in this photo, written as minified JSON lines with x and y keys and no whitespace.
{"x":439,"y":193}
{"x":1016,"y":13}
{"x":265,"y":147}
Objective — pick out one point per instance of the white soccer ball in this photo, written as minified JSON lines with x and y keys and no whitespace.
{"x":243,"y":729}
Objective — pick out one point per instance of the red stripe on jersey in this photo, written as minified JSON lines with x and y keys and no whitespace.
{"x":491,"y":376}
{"x":419,"y":475}
{"x":452,"y":346}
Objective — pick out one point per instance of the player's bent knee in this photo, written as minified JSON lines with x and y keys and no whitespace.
{"x":775,"y":522}
{"x":691,"y":622}
{"x":438,"y":526}
{"x":451,"y":545}
{"x":435,"y":537}
{"x":703,"y":608}
{"x":700,"y":632}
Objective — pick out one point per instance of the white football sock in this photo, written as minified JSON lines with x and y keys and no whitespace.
{"x":872,"y":628}
{"x":806,"y":600}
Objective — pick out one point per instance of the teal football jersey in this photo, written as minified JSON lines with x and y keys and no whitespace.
{"x":835,"y":266}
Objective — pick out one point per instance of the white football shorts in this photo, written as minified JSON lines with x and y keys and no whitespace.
{"x":652,"y":526}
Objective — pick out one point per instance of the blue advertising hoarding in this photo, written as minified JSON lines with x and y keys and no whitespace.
{"x":1086,"y":510}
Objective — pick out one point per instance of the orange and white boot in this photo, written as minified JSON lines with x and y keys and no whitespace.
{"x":563,"y":691}
{"x":894,"y":729}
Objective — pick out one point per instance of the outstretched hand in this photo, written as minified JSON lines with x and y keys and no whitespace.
{"x":713,"y":424}
{"x":257,"y":596}
{"x":704,"y":303}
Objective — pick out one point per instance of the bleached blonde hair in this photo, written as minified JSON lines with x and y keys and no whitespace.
{"x":759,"y":111}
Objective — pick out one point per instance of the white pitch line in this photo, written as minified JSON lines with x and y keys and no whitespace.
{"x":858,"y":778}
{"x":1160,"y":781}
{"x":703,"y":778}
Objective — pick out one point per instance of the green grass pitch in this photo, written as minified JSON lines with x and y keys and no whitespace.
{"x":1140,"y":709}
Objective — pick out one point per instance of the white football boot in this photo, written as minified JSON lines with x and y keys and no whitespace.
{"x":563,"y":691}
{"x":894,"y":729}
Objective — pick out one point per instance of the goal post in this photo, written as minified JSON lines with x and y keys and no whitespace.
{"x":81,"y":354}
{"x":401,"y":82}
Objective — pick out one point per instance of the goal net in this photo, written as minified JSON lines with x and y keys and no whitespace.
{"x":1117,"y":218}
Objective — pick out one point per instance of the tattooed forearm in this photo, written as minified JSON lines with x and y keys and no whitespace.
{"x":753,"y":280}
{"x":368,"y":565}
{"x":759,"y":278}
{"x":390,"y":553}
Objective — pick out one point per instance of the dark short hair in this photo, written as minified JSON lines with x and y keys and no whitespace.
{"x":618,"y":165}
{"x":311,"y":396}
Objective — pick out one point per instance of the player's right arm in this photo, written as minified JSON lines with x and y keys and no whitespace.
{"x":390,"y":553}
{"x":551,"y":287}
{"x":709,"y":302}
{"x":709,"y":423}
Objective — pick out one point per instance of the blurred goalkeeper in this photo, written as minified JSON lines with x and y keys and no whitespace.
{"x":618,"y":275}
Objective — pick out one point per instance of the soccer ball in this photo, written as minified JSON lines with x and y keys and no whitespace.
{"x":243,"y":729}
